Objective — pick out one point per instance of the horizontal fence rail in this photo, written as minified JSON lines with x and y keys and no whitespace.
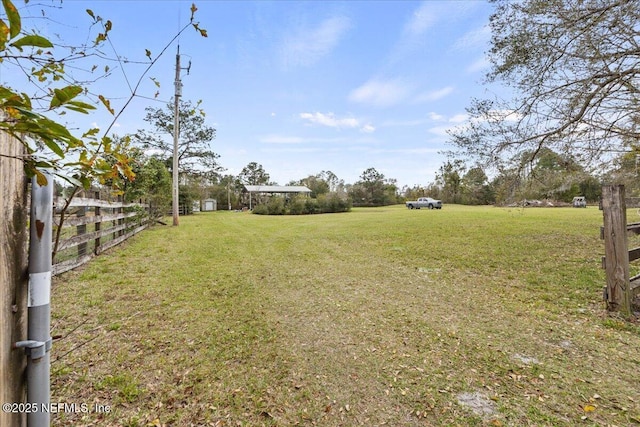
{"x":112,"y":223}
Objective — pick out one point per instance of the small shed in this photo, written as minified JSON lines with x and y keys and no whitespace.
{"x":209,"y":205}
{"x":274,"y":189}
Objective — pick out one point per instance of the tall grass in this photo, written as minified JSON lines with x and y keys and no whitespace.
{"x":377,"y":316}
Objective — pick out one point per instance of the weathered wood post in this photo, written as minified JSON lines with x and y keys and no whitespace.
{"x":80,"y":230}
{"x":120,"y":211}
{"x":618,"y":295}
{"x":98,"y":224}
{"x":13,"y":277}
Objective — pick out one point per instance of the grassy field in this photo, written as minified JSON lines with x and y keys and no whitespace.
{"x":467,"y":316}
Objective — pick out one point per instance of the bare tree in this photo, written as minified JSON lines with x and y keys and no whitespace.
{"x":574,"y":67}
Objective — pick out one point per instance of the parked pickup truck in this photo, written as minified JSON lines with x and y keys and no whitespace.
{"x":425,"y":202}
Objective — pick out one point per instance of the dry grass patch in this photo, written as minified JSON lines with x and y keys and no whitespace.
{"x":378,"y":316}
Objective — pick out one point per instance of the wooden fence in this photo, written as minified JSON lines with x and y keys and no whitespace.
{"x":621,"y":289}
{"x":13,"y":277}
{"x":111,"y":222}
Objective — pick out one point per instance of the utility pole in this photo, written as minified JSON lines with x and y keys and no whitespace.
{"x":176,"y":135}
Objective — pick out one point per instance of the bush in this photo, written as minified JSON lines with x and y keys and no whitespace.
{"x":299,"y":205}
{"x":275,"y":206}
{"x":311,"y":206}
{"x":333,"y":203}
{"x":261,"y":210}
{"x":296,"y":205}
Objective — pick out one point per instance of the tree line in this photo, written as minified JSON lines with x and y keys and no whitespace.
{"x":541,"y":174}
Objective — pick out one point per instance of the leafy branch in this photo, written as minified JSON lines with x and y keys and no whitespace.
{"x":49,"y":144}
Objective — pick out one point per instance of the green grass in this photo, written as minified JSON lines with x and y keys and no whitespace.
{"x":378,"y":316}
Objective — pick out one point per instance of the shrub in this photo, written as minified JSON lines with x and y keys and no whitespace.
{"x":296,"y":205}
{"x":275,"y":206}
{"x":261,"y":210}
{"x":333,"y":203}
{"x":299,"y":205}
{"x":311,"y":206}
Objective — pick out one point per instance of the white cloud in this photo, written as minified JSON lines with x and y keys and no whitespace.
{"x":504,"y":115}
{"x":305,"y":47}
{"x":435,"y":116}
{"x":380,"y":93}
{"x":479,"y":65}
{"x":474,"y":39}
{"x":403,"y":123}
{"x":330,"y":120}
{"x":421,"y":20}
{"x":96,"y":125}
{"x":440,"y":130}
{"x":292,"y":150}
{"x":454,"y":122}
{"x":284,"y":140}
{"x":278,"y":139}
{"x":435,"y":95}
{"x":407,"y":150}
{"x":461,"y":121}
{"x":368,"y":128}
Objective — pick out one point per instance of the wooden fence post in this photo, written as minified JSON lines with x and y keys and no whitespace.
{"x":98,"y":225}
{"x":616,"y":249}
{"x":81,"y":229}
{"x":120,"y":221}
{"x":13,"y":278}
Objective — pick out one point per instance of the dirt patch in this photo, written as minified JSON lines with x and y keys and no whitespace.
{"x":478,"y":403}
{"x":525,"y":359}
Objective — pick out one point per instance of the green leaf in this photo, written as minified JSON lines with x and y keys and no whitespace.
{"x":59,"y":132}
{"x":91,"y":132}
{"x":53,"y":146}
{"x":106,"y":103}
{"x":202,"y":31}
{"x":74,"y":108}
{"x":9,"y":97}
{"x":100,"y":38}
{"x":26,"y":112}
{"x":79,"y":106}
{"x":106,"y":143}
{"x":64,"y":95}
{"x":4,"y":34}
{"x":32,"y":40}
{"x":90,"y":13}
{"x":14,"y":18}
{"x":71,"y":180}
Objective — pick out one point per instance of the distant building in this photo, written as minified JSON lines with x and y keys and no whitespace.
{"x":209,"y":205}
{"x":254,"y":191}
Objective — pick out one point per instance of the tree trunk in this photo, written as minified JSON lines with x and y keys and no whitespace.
{"x":13,"y":277}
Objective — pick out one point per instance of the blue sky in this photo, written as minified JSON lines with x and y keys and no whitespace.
{"x":302,"y":87}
